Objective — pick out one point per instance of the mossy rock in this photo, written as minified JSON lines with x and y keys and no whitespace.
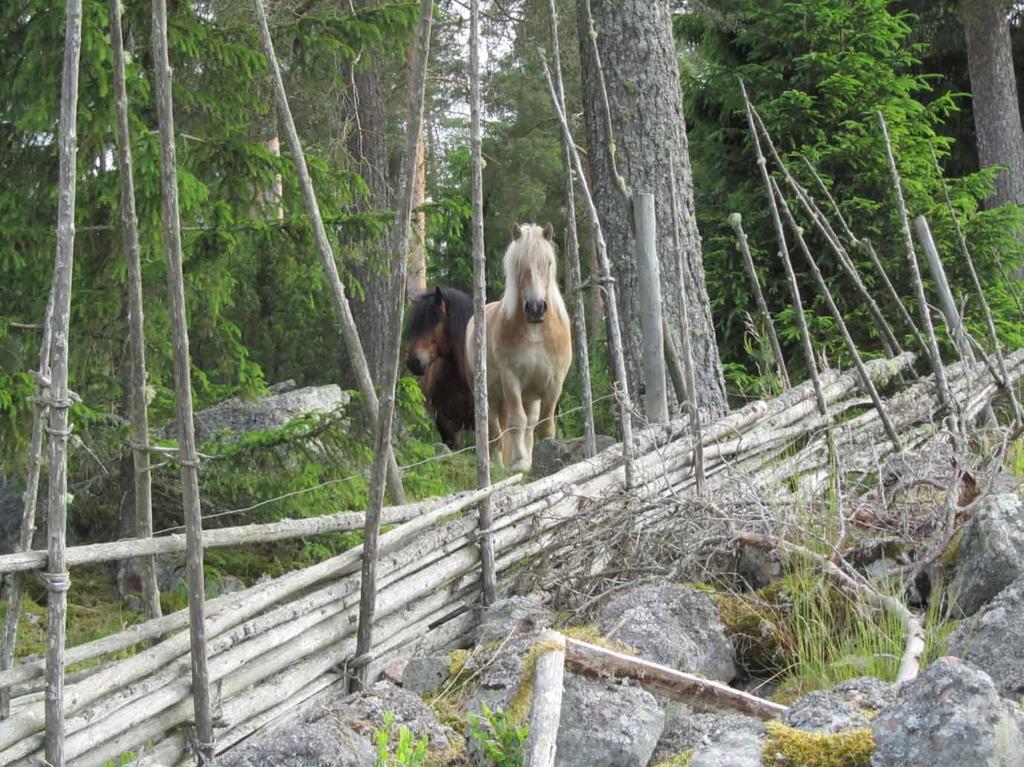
{"x":797,"y":748}
{"x":681,"y":759}
{"x":756,"y":627}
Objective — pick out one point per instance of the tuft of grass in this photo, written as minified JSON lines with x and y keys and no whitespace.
{"x":1015,"y":458}
{"x":797,"y":748}
{"x":681,"y":759}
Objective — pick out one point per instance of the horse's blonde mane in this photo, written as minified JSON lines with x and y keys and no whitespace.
{"x":529,"y":249}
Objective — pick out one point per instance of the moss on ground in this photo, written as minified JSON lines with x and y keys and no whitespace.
{"x":681,"y":759}
{"x":797,"y":748}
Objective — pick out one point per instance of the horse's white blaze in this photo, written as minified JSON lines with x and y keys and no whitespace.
{"x":526,"y":361}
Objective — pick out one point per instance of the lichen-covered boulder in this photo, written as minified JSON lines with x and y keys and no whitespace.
{"x":993,"y":640}
{"x":671,"y":624}
{"x":323,"y":742}
{"x":364,"y":712}
{"x":950,"y":715}
{"x":552,"y":455}
{"x":606,"y":724}
{"x":426,"y":674}
{"x":991,"y":555}
{"x":713,"y":737}
{"x":521,"y":615}
{"x":866,"y":693}
{"x":822,"y":712}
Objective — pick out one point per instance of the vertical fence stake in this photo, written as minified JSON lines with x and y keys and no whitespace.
{"x":736,"y":221}
{"x":136,"y":332}
{"x":349,"y":332}
{"x":56,"y":577}
{"x":183,"y":390}
{"x":649,"y":274}
{"x":573,"y":272}
{"x":393,"y":339}
{"x":483,"y":438}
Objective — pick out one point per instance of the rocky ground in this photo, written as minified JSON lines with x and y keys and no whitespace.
{"x":962,"y":710}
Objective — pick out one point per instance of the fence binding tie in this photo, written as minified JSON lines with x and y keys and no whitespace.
{"x":55,"y":582}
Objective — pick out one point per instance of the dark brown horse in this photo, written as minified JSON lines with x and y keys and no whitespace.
{"x":437,"y":354}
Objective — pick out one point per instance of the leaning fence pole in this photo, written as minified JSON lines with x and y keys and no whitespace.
{"x":851,"y":347}
{"x":136,"y":334}
{"x":349,"y":332}
{"x":684,"y":307}
{"x":56,"y":577}
{"x":488,"y":573}
{"x":649,"y":274}
{"x":922,"y":302}
{"x":188,"y":459}
{"x":393,"y":340}
{"x":736,"y":221}
{"x":15,"y":584}
{"x":572,"y":246}
{"x":621,"y":384}
{"x":780,"y":232}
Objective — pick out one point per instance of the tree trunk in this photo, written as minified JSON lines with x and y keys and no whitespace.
{"x":416,"y":280}
{"x":997,"y":119}
{"x":638,"y":54}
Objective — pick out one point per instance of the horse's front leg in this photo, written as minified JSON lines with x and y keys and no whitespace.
{"x":546,"y":423}
{"x":532,"y":417}
{"x":514,"y":438}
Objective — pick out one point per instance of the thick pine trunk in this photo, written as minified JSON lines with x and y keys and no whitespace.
{"x":638,"y":54}
{"x":997,"y":119}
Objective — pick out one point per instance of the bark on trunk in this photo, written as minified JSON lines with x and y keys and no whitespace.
{"x":638,"y":54}
{"x":997,"y":119}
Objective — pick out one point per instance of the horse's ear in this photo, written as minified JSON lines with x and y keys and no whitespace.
{"x":549,"y":231}
{"x":516,"y":232}
{"x":438,"y":295}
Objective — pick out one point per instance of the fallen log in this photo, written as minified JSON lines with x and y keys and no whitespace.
{"x":584,"y":658}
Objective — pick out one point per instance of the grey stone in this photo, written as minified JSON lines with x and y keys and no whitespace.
{"x":991,"y":555}
{"x":993,"y":640}
{"x":823,"y":712}
{"x":235,"y":416}
{"x":425,"y":674}
{"x":364,"y":712}
{"x":671,"y":624}
{"x":711,"y":733}
{"x":513,"y":614}
{"x":865,"y":693}
{"x":320,"y":743}
{"x":604,"y":724}
{"x":499,"y":672}
{"x":757,"y":567}
{"x":553,"y":455}
{"x":950,"y":715}
{"x":735,"y":749}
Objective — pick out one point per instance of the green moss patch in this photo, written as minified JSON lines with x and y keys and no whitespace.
{"x":796,"y":748}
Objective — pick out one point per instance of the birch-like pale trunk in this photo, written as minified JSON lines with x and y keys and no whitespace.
{"x":392,"y":344}
{"x":349,"y":332}
{"x":136,"y":326}
{"x":59,"y":399}
{"x":188,"y":458}
{"x":480,"y":403}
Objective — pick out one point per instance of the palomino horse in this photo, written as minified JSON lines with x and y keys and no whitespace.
{"x":437,"y":354}
{"x":529,"y":347}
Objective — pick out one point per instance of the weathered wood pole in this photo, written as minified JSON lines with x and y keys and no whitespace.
{"x":136,"y":333}
{"x":649,"y":274}
{"x":483,"y":438}
{"x":604,"y":277}
{"x":188,"y":458}
{"x":393,"y":339}
{"x":56,"y":577}
{"x":684,"y":312}
{"x":546,"y":710}
{"x":14,"y":585}
{"x":736,"y":221}
{"x":922,"y":301}
{"x":349,"y":332}
{"x":947,"y":304}
{"x":574,"y":277}
{"x":794,"y":286}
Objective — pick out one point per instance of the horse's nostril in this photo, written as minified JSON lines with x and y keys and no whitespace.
{"x":543,"y":307}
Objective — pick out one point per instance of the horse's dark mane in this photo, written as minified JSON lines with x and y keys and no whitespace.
{"x":425,"y":314}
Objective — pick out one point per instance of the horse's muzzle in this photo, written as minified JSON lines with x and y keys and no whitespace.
{"x":536,"y":310}
{"x":415,"y":366}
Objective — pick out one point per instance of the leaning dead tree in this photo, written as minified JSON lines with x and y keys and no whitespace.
{"x":56,"y":578}
{"x":480,"y":404}
{"x":347,"y":324}
{"x":188,"y":458}
{"x":142,"y":483}
{"x":393,"y":341}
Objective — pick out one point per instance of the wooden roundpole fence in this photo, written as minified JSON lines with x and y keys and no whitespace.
{"x":188,"y":458}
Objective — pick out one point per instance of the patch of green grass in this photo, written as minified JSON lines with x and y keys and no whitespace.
{"x":1015,"y":458}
